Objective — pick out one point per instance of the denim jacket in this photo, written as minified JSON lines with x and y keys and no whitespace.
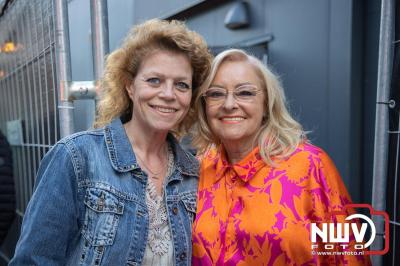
{"x":89,"y":204}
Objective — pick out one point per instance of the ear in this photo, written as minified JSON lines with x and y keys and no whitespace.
{"x":129,"y":89}
{"x":265,"y":115}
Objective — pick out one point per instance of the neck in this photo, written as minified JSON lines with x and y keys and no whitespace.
{"x":147,"y":142}
{"x":236,"y":151}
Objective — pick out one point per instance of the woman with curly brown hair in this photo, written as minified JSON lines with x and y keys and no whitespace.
{"x":125,"y":193}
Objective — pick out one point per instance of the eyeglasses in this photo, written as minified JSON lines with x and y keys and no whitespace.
{"x":244,"y":94}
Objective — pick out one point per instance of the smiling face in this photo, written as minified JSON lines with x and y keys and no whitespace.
{"x":161,"y":91}
{"x":236,"y":122}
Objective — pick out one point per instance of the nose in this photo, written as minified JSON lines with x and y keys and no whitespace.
{"x":168,"y":92}
{"x":230,"y":102}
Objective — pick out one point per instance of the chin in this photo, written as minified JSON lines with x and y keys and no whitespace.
{"x":160,"y":126}
{"x":231,"y":138}
{"x":232,"y":135}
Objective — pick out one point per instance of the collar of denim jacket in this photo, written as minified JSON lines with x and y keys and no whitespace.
{"x":123,"y":158}
{"x":186,"y":163}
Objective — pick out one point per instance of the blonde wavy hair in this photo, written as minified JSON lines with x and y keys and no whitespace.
{"x":123,"y":64}
{"x":279,"y":134}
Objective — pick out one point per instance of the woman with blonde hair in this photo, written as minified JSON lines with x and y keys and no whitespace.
{"x":261,"y":182}
{"x":125,"y":192}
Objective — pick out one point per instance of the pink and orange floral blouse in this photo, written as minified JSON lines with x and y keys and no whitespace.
{"x":252,"y":214}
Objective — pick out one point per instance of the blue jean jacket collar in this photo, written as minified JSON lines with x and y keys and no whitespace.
{"x":123,"y":158}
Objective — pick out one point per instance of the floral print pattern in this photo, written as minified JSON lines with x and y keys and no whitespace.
{"x":250,"y":213}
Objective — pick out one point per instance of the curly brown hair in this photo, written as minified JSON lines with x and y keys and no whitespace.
{"x":123,"y":64}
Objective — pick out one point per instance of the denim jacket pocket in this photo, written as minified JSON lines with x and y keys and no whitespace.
{"x":103,"y":211}
{"x":189,"y":200}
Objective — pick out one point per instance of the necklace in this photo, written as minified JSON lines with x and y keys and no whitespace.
{"x":153,"y":175}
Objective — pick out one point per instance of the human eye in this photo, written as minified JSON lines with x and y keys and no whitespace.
{"x":153,"y":81}
{"x":215,"y":93}
{"x":246,"y":92}
{"x":183,"y":86}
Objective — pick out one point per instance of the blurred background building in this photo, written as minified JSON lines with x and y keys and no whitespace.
{"x":338,"y":61}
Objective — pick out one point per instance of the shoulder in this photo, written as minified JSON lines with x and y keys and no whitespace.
{"x":188,"y":156}
{"x":308,"y":160}
{"x":82,"y":137}
{"x":307,"y":151}
{"x":75,"y":146}
{"x":319,"y":155}
{"x":314,"y":162}
{"x":185,"y":162}
{"x":189,"y":163}
{"x":83,"y":141}
{"x":211,"y":155}
{"x":191,"y":158}
{"x":208,"y":161}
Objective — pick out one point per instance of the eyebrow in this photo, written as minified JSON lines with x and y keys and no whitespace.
{"x":244,"y":83}
{"x":236,"y":86}
{"x":155,"y":73}
{"x":216,"y":85}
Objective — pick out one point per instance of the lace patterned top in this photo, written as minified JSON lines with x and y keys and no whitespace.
{"x":250,"y":213}
{"x":159,"y":249}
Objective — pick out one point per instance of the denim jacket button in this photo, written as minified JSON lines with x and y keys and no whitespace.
{"x":175,"y":210}
{"x":182,"y":256}
{"x":101,"y":204}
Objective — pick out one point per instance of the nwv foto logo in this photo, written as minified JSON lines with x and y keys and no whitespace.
{"x":339,"y":233}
